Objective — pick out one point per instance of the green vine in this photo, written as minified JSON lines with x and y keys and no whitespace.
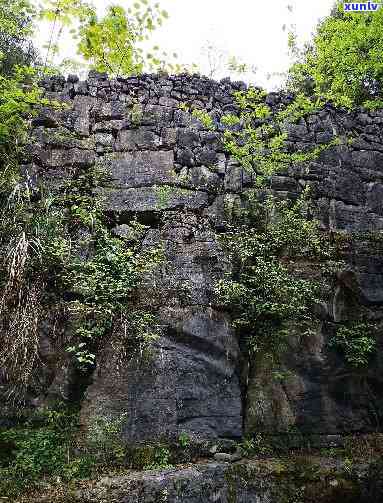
{"x":59,"y":245}
{"x":257,"y":137}
{"x":265,"y":290}
{"x":105,"y":282}
{"x":204,"y":118}
{"x":357,"y":343}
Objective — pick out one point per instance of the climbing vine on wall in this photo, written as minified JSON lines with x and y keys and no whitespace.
{"x":257,"y":136}
{"x":283,"y":264}
{"x":357,"y":343}
{"x":59,"y":251}
{"x":266,"y":289}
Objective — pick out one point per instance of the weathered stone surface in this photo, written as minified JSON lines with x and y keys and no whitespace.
{"x":373,"y":490}
{"x":70,"y":157}
{"x":234,"y":178}
{"x":204,"y":483}
{"x":375,"y":198}
{"x":190,"y":383}
{"x":154,"y":115}
{"x":353,"y":218}
{"x":139,"y":169}
{"x":151,"y":199}
{"x":202,"y":178}
{"x":111,"y":110}
{"x":82,"y":106}
{"x":178,"y":388}
{"x":368,"y":159}
{"x":270,"y":481}
{"x":313,"y":392}
{"x":137,"y":139}
{"x":170,"y":172}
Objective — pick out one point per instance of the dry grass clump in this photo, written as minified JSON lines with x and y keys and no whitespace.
{"x":20,"y":312}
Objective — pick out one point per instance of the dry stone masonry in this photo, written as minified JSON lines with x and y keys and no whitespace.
{"x":171,"y":173}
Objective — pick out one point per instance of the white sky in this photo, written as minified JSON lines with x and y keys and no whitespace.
{"x":251,"y":30}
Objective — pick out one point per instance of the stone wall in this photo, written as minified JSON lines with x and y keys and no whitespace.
{"x":171,"y":173}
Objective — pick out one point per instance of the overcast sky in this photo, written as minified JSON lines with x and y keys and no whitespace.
{"x":251,"y":30}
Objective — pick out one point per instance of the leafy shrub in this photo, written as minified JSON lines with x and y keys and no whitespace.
{"x":42,"y":448}
{"x":343,"y":64}
{"x":19,"y":94}
{"x":204,"y":118}
{"x":43,"y":261}
{"x":16,"y":28}
{"x":150,"y":456}
{"x":104,"y":440}
{"x":259,"y":142}
{"x":161,"y":459}
{"x":263,"y":292}
{"x":357,"y":343}
{"x":184,"y":440}
{"x":255,"y":446}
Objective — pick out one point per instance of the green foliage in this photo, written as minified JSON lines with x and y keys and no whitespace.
{"x":230,"y":120}
{"x":16,"y":49}
{"x":300,"y":107}
{"x":154,"y":456}
{"x":19,"y":95}
{"x":199,"y":114}
{"x":184,"y":440}
{"x":34,"y":248}
{"x":250,"y":99}
{"x":259,"y":143}
{"x":264,"y":292}
{"x":184,"y":106}
{"x":42,"y":258}
{"x":40,"y":248}
{"x":357,"y":343}
{"x":114,"y":42}
{"x":105,"y":282}
{"x":108,"y":277}
{"x":163,"y":194}
{"x":255,"y":446}
{"x":343,"y":64}
{"x":204,"y":118}
{"x":111,"y":44}
{"x":65,"y":12}
{"x":41,"y":449}
{"x":61,"y":15}
{"x":143,"y":326}
{"x":161,"y":459}
{"x":104,"y":440}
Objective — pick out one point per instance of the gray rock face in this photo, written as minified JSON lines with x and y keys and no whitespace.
{"x":205,"y":483}
{"x":150,"y":199}
{"x":169,"y":171}
{"x":190,"y":383}
{"x":139,"y":169}
{"x":219,"y":482}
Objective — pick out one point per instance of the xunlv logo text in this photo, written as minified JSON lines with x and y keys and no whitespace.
{"x":361,"y":7}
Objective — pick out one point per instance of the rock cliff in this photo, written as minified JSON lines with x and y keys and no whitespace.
{"x":170,"y":172}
